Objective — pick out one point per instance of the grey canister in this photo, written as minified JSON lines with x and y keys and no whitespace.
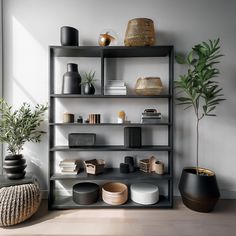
{"x":69,"y":36}
{"x":71,"y":80}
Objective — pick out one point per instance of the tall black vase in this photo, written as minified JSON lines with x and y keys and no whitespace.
{"x":71,"y":80}
{"x":199,"y":192}
{"x":14,"y":166}
{"x":69,"y":36}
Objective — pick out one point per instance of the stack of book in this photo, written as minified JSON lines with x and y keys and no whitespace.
{"x":69,"y":167}
{"x":150,"y":117}
{"x":115,"y":87}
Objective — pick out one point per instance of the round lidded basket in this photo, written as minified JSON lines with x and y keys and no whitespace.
{"x":140,"y":32}
{"x":115,"y":193}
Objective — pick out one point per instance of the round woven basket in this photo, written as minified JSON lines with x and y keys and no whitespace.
{"x":18,"y":203}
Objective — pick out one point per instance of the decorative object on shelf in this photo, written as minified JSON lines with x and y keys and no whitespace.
{"x":19,"y":200}
{"x":150,"y":116}
{"x":94,"y":118}
{"x":108,"y":37}
{"x":81,"y":139}
{"x":94,"y":166}
{"x":88,"y":80}
{"x":147,"y":165}
{"x":132,"y":137}
{"x":140,"y":32}
{"x":115,"y":193}
{"x":121,"y":117}
{"x":85,"y":193}
{"x":159,"y":167}
{"x":144,"y":193}
{"x":130,"y":161}
{"x":200,"y":90}
{"x":149,"y":86}
{"x":80,"y":120}
{"x":16,"y":128}
{"x":115,"y":87}
{"x":69,"y":167}
{"x":68,"y":117}
{"x":71,"y":80}
{"x":69,"y":36}
{"x":124,"y":168}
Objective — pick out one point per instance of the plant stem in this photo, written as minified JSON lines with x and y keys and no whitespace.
{"x":197,"y":142}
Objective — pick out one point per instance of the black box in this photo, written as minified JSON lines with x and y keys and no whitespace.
{"x":132,"y":137}
{"x":82,"y":139}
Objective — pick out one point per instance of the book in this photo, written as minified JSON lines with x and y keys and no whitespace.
{"x":150,"y":121}
{"x":115,"y":92}
{"x":69,"y":172}
{"x":73,"y":168}
{"x":69,"y":163}
{"x":115,"y":83}
{"x":115,"y":88}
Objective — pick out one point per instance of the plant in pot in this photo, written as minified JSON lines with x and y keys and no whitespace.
{"x":199,"y":90}
{"x":88,"y":80}
{"x":16,"y":128}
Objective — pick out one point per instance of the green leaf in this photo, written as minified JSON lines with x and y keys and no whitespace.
{"x":180,"y":59}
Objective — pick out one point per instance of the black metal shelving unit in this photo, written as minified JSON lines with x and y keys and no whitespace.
{"x":110,"y":174}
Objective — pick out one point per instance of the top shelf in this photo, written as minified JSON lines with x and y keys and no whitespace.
{"x":110,"y":51}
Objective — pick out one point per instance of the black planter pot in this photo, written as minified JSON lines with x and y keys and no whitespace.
{"x":71,"y":80}
{"x":88,"y":89}
{"x":14,"y":166}
{"x":69,"y":36}
{"x":199,"y":192}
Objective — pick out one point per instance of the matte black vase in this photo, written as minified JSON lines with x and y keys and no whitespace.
{"x":199,"y":192}
{"x":14,"y":166}
{"x":88,"y":89}
{"x":71,"y":80}
{"x":69,"y":36}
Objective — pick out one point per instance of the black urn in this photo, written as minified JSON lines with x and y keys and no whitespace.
{"x":199,"y":192}
{"x":71,"y":80}
{"x":14,"y":166}
{"x":69,"y":36}
{"x":88,"y":89}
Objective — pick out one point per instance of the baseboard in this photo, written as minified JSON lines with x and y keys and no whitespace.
{"x":225,"y":194}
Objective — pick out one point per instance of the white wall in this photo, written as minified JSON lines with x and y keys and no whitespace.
{"x":1,"y":66}
{"x":31,"y":25}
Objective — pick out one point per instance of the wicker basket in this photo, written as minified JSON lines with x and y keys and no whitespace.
{"x":140,"y":32}
{"x":18,"y":203}
{"x":147,"y":165}
{"x":94,"y":166}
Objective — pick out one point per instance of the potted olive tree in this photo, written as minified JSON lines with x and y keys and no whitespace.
{"x":200,"y":91}
{"x":16,"y":128}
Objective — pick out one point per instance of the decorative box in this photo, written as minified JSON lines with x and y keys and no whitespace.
{"x":132,"y":137}
{"x":94,"y":166}
{"x":81,"y":139}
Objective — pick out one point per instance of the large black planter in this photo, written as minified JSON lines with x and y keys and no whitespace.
{"x":71,"y":80}
{"x":69,"y":36}
{"x":14,"y":166}
{"x":199,"y":192}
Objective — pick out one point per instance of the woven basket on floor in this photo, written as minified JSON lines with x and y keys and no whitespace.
{"x":18,"y":203}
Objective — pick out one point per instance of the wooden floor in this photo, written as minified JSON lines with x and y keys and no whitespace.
{"x":179,"y":221}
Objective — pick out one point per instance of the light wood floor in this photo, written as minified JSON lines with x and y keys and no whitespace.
{"x":179,"y":221}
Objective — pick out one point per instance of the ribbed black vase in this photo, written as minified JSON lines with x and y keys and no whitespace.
{"x":199,"y":192}
{"x":14,"y":166}
{"x":71,"y":80}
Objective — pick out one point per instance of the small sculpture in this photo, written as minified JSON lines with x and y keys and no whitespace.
{"x":121,"y":117}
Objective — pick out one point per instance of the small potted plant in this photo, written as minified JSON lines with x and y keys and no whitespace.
{"x":16,"y":128}
{"x":88,"y":80}
{"x":200,"y":91}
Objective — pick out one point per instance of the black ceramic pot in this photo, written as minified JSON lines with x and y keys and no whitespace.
{"x":88,"y":89}
{"x":71,"y":80}
{"x":199,"y":192}
{"x":69,"y":36}
{"x":14,"y":166}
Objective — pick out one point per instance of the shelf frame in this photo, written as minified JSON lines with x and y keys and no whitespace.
{"x":102,"y":53}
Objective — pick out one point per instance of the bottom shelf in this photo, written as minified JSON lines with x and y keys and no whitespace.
{"x":68,"y":203}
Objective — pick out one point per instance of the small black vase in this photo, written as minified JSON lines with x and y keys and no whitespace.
{"x":88,"y":89}
{"x":71,"y":80}
{"x":14,"y":166}
{"x":69,"y":36}
{"x":199,"y":192}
